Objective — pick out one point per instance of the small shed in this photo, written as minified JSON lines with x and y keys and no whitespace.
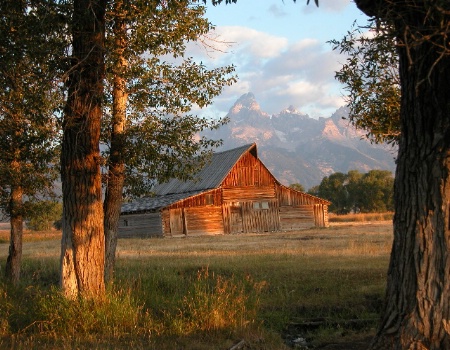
{"x":233,"y":193}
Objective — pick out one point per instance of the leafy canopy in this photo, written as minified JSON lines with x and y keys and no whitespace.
{"x":370,"y":78}
{"x":357,"y":192}
{"x":31,"y":46}
{"x":163,"y":87}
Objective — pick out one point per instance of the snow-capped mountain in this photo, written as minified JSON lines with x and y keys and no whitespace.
{"x":299,"y":149}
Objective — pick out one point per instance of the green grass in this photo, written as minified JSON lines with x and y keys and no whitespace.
{"x":207,"y":292}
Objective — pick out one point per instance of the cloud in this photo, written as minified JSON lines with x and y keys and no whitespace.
{"x":279,"y":73}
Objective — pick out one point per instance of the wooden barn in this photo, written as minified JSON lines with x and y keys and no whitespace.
{"x":233,"y":193}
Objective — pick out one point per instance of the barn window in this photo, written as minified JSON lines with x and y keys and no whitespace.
{"x":260,"y":205}
{"x":209,"y":199}
{"x":125,"y":222}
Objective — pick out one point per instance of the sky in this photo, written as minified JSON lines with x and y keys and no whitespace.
{"x":281,"y":53}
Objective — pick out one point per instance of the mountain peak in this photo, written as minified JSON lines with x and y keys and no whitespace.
{"x":246,"y":102}
{"x":298,"y":148}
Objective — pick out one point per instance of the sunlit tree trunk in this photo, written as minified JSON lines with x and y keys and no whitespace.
{"x":416,"y":314}
{"x":82,"y":245}
{"x":13,"y":262}
{"x":116,"y":165}
{"x":417,"y":310}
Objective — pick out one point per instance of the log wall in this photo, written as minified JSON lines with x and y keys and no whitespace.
{"x":248,"y":200}
{"x":140,"y":225}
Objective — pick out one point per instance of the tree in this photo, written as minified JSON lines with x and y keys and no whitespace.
{"x":150,"y":134}
{"x":354,"y":190}
{"x":83,"y":241}
{"x":42,"y":215}
{"x":370,"y":192}
{"x":370,"y":77}
{"x":417,"y":311}
{"x":375,"y":191}
{"x":333,"y":189}
{"x":297,"y":187}
{"x":30,"y":45}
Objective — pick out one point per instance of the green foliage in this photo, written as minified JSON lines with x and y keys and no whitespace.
{"x":31,"y":46}
{"x":163,"y":86}
{"x":205,"y":302}
{"x":43,"y":215}
{"x":357,"y":192}
{"x":370,"y":78}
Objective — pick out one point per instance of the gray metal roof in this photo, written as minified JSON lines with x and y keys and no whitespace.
{"x":209,"y":177}
{"x":153,"y":203}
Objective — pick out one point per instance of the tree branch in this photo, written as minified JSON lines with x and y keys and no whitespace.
{"x":370,"y":7}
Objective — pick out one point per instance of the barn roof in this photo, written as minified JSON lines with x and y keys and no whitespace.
{"x":153,"y":203}
{"x":209,"y":177}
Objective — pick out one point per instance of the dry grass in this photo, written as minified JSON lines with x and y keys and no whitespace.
{"x":351,"y":240}
{"x":337,"y":273}
{"x":361,"y":217}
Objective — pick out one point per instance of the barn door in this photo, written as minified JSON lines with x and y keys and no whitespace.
{"x":176,"y":221}
{"x":236,"y":219}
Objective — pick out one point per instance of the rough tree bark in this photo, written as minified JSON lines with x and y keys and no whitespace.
{"x":416,"y":314}
{"x":82,"y":245}
{"x":116,"y":164}
{"x":13,"y":262}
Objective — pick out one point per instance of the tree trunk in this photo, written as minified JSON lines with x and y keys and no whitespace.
{"x":116,"y":166}
{"x":416,"y":314}
{"x":82,"y":246}
{"x":12,"y":269}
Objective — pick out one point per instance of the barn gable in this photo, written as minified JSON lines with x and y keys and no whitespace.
{"x":233,"y":193}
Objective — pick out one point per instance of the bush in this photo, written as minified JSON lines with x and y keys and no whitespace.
{"x":43,"y":215}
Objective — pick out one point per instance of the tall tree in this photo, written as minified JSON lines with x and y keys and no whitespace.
{"x":82,"y":246}
{"x":333,"y":188}
{"x":30,"y":46}
{"x":417,"y":304}
{"x":151,"y":135}
{"x":375,"y":191}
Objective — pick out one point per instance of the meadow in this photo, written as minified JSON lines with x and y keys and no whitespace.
{"x":305,"y":289}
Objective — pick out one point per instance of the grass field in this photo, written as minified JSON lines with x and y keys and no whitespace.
{"x":264,"y":291}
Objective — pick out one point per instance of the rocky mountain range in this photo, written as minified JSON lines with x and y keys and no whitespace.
{"x":299,"y":149}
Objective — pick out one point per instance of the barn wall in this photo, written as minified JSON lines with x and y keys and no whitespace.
{"x":297,"y":218}
{"x":209,"y":198}
{"x":248,"y":171}
{"x":140,"y":225}
{"x":249,"y":200}
{"x":300,"y":210}
{"x":250,"y":209}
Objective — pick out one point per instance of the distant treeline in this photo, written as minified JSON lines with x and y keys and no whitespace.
{"x":356,"y":192}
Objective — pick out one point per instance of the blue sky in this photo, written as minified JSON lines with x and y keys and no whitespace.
{"x":281,"y":53}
